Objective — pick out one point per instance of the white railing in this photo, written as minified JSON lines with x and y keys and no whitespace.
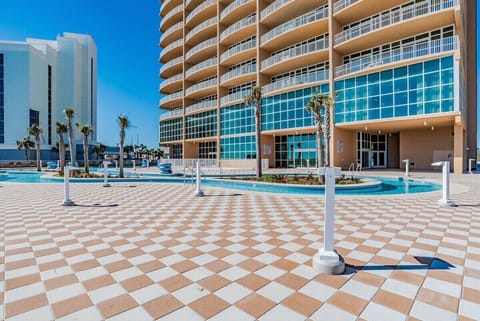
{"x":272,"y":7}
{"x":402,"y":53}
{"x":202,"y":45}
{"x":342,"y":4}
{"x":212,"y":82}
{"x":203,"y":105}
{"x":170,"y":80}
{"x":171,"y":63}
{"x":204,"y":25}
{"x":295,"y":81}
{"x":201,"y":65}
{"x":170,"y":47}
{"x":168,"y":98}
{"x":392,"y":17}
{"x":314,"y":15}
{"x":191,"y":162}
{"x":232,"y":6}
{"x":239,"y":95}
{"x":238,"y":25}
{"x":318,"y":45}
{"x":171,"y":13}
{"x":199,"y":8}
{"x":164,"y":4}
{"x":171,"y":114}
{"x":250,"y":44}
{"x":172,"y":29}
{"x":242,"y":70}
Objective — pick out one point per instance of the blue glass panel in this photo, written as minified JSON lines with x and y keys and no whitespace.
{"x":339,"y":118}
{"x":447,"y":91}
{"x":432,"y":79}
{"x":350,"y":117}
{"x":387,"y":112}
{"x":325,"y":88}
{"x":350,"y":106}
{"x":350,"y":94}
{"x":401,"y":111}
{"x":412,"y":110}
{"x":415,"y":69}
{"x":339,"y":85}
{"x":447,"y":105}
{"x":361,"y":81}
{"x":361,"y":92}
{"x":386,"y":100}
{"x":372,"y":78}
{"x":339,"y":107}
{"x":432,"y":65}
{"x":374,"y":102}
{"x":373,"y":90}
{"x":373,"y":114}
{"x":400,"y":84}
{"x":447,"y":76}
{"x":447,"y":62}
{"x":361,"y":104}
{"x":415,"y":82}
{"x":387,"y":87}
{"x":400,"y":72}
{"x":386,"y":75}
{"x":432,"y":93}
{"x":349,"y":83}
{"x":361,"y":115}
{"x":401,"y":98}
{"x":432,"y":107}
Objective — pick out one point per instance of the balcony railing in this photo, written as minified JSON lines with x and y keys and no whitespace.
{"x":171,"y":63}
{"x":201,"y":85}
{"x":392,"y":17}
{"x":242,"y":70}
{"x":314,"y":15}
{"x":239,"y":95}
{"x":202,"y":45}
{"x":164,"y":4}
{"x":171,"y":114}
{"x":238,"y":25}
{"x":174,"y":96}
{"x":171,"y":13}
{"x":272,"y":7}
{"x":170,"y":80}
{"x":203,"y":105}
{"x":171,"y":30}
{"x":171,"y":46}
{"x":232,"y":6}
{"x":342,"y":4}
{"x":204,"y":25}
{"x":202,"y":6}
{"x":317,"y":45}
{"x":402,"y":53}
{"x":247,"y":45}
{"x":295,"y":81}
{"x":204,"y":64}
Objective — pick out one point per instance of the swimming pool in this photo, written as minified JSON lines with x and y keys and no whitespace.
{"x":383,"y":185}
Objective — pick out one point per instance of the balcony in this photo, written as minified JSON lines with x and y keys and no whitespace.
{"x":427,"y":16}
{"x":415,"y":51}
{"x":297,"y":57}
{"x":190,"y":4}
{"x":297,"y":81}
{"x":202,"y":51}
{"x":171,"y":114}
{"x":239,"y":30}
{"x":301,"y":28}
{"x":171,"y":68}
{"x":171,"y":84}
{"x":205,"y":30}
{"x":168,"y":5}
{"x":171,"y":51}
{"x":202,"y":70}
{"x":238,"y":8}
{"x":239,"y":75}
{"x":347,"y":11}
{"x":171,"y":18}
{"x":242,"y":52}
{"x":201,"y":89}
{"x":281,"y":11}
{"x":171,"y":100}
{"x":175,"y":32}
{"x":206,"y":9}
{"x":234,"y":98}
{"x":203,"y":106}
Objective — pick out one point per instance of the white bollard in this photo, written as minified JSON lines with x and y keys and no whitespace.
{"x":105,"y":174}
{"x":133,"y":164}
{"x":116,"y":164}
{"x":407,"y":167}
{"x":327,"y":261}
{"x":66,"y":187}
{"x":470,"y":164}
{"x":198,"y":190}
{"x":445,"y":200}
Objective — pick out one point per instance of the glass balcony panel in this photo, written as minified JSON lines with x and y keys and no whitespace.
{"x":239,"y":95}
{"x":171,"y":97}
{"x":204,"y":44}
{"x":232,"y":6}
{"x":204,"y":64}
{"x":342,"y":4}
{"x":171,"y":63}
{"x":171,"y":114}
{"x":170,"y":47}
{"x":250,"y":44}
{"x":204,"y":25}
{"x":296,"y":81}
{"x":237,"y":25}
{"x":201,"y":85}
{"x":198,"y":9}
{"x":171,"y":30}
{"x":171,"y":14}
{"x":202,"y":105}
{"x":272,"y":7}
{"x":170,"y":81}
{"x":242,"y":70}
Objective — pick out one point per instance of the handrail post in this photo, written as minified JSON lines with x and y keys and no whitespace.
{"x":66,"y":187}
{"x":407,"y":167}
{"x":445,"y":200}
{"x":470,"y":165}
{"x":105,"y":174}
{"x":198,"y":190}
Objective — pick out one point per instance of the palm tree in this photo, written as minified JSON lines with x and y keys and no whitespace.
{"x":61,"y":129}
{"x":69,"y":115}
{"x":255,"y":98}
{"x":26,"y":144}
{"x":328,"y":103}
{"x":86,"y":131}
{"x":98,"y":150}
{"x":315,"y":106}
{"x":35,"y":130}
{"x":124,"y":124}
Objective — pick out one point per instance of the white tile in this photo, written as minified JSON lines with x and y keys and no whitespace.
{"x":233,"y":292}
{"x":232,"y":314}
{"x":24,"y":292}
{"x":376,"y":312}
{"x":63,"y":293}
{"x":162,"y":274}
{"x":110,"y":258}
{"x":298,"y":258}
{"x":449,"y":288}
{"x":190,"y":293}
{"x":148,"y":293}
{"x":270,"y":272}
{"x":469,"y":309}
{"x":330,"y":312}
{"x":235,"y":258}
{"x":359,"y":289}
{"x":234,"y":273}
{"x":281,"y":312}
{"x":275,"y":292}
{"x":198,"y":273}
{"x":391,"y":254}
{"x":126,"y":273}
{"x":137,"y":314}
{"x":141,"y":259}
{"x":305,"y":271}
{"x":79,"y":258}
{"x":318,"y":291}
{"x":203,"y":259}
{"x":53,"y":273}
{"x":183,"y":314}
{"x":172,"y":259}
{"x":90,"y":314}
{"x":49,"y":258}
{"x":266,"y":258}
{"x":424,"y":311}
{"x":40,"y":314}
{"x":91,"y":273}
{"x":105,"y":293}
{"x":11,"y":274}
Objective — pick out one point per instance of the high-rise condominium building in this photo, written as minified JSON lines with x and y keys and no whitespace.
{"x":404,"y":72}
{"x":38,"y":80}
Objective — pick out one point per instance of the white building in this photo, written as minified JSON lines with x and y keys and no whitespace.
{"x":38,"y":80}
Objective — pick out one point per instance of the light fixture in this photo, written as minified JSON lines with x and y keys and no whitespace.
{"x":433,"y":128}
{"x":425,"y":123}
{"x":379,"y":131}
{"x":366,"y":128}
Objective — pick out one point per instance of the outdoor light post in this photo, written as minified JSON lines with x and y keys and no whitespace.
{"x":445,"y":200}
{"x":327,"y":260}
{"x":105,"y":174}
{"x":198,"y":190}
{"x":407,"y":167}
{"x":66,"y":187}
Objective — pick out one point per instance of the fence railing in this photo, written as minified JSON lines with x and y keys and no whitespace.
{"x":171,"y":63}
{"x":201,"y":65}
{"x":342,"y":4}
{"x":173,"y":45}
{"x":202,"y":105}
{"x":232,"y":6}
{"x":295,"y":81}
{"x":247,"y":45}
{"x":245,"y":69}
{"x":202,"y":45}
{"x":199,"y":8}
{"x":171,"y":114}
{"x":204,"y":25}
{"x":176,"y":10}
{"x":238,"y":25}
{"x":272,"y":7}
{"x":201,"y":85}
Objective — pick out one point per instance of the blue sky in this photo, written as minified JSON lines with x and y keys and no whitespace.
{"x":126,"y":33}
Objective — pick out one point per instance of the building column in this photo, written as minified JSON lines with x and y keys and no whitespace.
{"x":458,"y":147}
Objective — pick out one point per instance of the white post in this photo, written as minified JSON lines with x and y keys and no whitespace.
{"x":407,"y":167}
{"x":66,"y":187}
{"x":470,"y":165}
{"x":133,"y":164}
{"x":116,"y":164}
{"x":327,"y":261}
{"x":105,"y":174}
{"x":198,"y":191}
{"x":445,"y":201}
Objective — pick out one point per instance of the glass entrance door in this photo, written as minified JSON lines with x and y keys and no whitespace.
{"x":378,"y":147}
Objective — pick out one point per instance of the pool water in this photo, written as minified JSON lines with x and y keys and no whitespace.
{"x":388,"y":186}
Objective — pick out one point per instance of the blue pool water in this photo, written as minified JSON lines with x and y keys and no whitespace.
{"x":387,"y":186}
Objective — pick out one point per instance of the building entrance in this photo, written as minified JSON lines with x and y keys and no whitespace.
{"x":372,"y":150}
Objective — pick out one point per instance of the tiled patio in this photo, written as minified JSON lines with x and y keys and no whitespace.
{"x":155,"y":252}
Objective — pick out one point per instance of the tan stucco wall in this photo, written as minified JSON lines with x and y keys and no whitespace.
{"x":270,"y":142}
{"x":346,"y":139}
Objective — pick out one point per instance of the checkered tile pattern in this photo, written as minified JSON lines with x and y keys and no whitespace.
{"x":157,"y":252}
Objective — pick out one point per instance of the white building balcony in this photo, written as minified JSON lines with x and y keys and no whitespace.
{"x":165,"y":23}
{"x":210,"y":25}
{"x":287,"y":83}
{"x":202,"y":106}
{"x":342,"y":4}
{"x":239,"y":30}
{"x":203,"y":50}
{"x":244,"y":72}
{"x":169,"y":68}
{"x":171,"y":114}
{"x":200,"y":89}
{"x":171,"y":51}
{"x":236,"y":50}
{"x":205,"y":65}
{"x":237,"y":97}
{"x":174,"y":32}
{"x":237,"y":8}
{"x":208,"y":4}
{"x":171,"y":100}
{"x":169,"y":83}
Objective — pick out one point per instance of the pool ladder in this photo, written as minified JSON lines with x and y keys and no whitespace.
{"x":355,"y":170}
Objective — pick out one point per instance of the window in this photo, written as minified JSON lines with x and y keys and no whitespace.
{"x":34,"y":117}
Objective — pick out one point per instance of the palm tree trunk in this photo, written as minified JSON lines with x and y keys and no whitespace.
{"x":72,"y":145}
{"x":327,"y":136}
{"x":85,"y":153}
{"x":121,"y":160}
{"x":61,"y":147}
{"x":259,"y":143}
{"x":37,"y":143}
{"x":26,"y":154}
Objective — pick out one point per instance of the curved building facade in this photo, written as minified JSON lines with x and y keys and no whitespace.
{"x":404,"y":72}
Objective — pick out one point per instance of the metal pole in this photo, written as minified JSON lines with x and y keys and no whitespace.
{"x":198,"y":191}
{"x":105,"y":174}
{"x":66,"y":187}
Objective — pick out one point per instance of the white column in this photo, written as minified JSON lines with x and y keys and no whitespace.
{"x":407,"y":167}
{"x":66,"y":187}
{"x":105,"y":174}
{"x":445,"y":200}
{"x":198,"y":190}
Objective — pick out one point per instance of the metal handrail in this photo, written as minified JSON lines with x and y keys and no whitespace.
{"x":201,"y":65}
{"x":202,"y":45}
{"x":171,"y":63}
{"x":203,"y":5}
{"x":242,"y":70}
{"x":204,"y":25}
{"x":166,"y":99}
{"x":176,"y":10}
{"x":342,"y":4}
{"x":250,"y":44}
{"x":171,"y":80}
{"x":239,"y":95}
{"x":232,"y":6}
{"x":249,"y":20}
{"x":272,"y":7}
{"x":171,"y":114}
{"x":201,"y":85}
{"x":173,"y":45}
{"x":172,"y":29}
{"x":295,"y":81}
{"x":202,"y":105}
